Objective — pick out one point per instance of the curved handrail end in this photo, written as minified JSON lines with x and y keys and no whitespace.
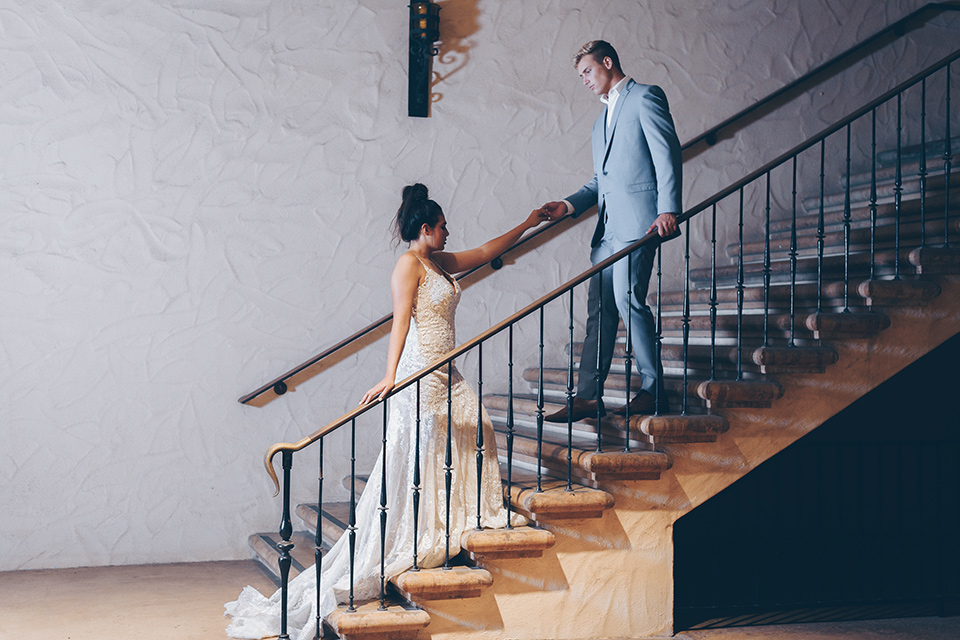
{"x":268,"y":463}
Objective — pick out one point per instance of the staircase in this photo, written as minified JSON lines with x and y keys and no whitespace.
{"x":733,"y":405}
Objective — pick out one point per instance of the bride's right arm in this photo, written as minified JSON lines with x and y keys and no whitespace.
{"x":403,"y":286}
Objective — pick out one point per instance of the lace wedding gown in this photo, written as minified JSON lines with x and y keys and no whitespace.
{"x":431,"y":336}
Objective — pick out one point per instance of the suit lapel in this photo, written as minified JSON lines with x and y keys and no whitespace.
{"x":612,"y":128}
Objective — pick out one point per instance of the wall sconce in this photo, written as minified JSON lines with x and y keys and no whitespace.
{"x":424,"y":31}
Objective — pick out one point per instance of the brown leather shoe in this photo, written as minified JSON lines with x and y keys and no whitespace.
{"x":581,"y":409}
{"x":643,"y":404}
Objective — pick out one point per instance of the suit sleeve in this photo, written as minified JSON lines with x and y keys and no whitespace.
{"x":661,"y":136}
{"x":585,"y":198}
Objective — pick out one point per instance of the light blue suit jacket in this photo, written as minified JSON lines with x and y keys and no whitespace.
{"x":637,"y":165}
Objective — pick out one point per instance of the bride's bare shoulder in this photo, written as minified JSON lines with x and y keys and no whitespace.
{"x":408,"y":266}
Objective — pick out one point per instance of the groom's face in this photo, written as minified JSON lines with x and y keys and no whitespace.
{"x":597,"y":75}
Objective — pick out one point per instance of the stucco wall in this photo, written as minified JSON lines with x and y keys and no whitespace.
{"x":197,"y":195}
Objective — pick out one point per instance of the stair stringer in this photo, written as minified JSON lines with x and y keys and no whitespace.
{"x":612,"y":577}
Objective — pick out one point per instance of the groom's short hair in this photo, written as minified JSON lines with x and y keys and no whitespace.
{"x":599,"y":49}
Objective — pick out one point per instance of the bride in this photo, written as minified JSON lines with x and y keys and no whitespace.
{"x":425,"y":297}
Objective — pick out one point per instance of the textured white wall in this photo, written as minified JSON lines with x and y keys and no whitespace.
{"x":196,"y":195}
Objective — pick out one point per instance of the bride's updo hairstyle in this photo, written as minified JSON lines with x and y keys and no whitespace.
{"x":415,"y":211}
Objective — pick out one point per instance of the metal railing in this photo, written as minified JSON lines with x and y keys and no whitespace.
{"x":735,"y":122}
{"x":867,"y":229}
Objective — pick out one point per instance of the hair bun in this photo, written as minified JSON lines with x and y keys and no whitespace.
{"x":416,"y":210}
{"x":415,"y":192}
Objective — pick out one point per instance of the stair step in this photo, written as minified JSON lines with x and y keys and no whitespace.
{"x":806,"y":268}
{"x":898,"y":292}
{"x":808,"y":217}
{"x":935,"y":260}
{"x":612,"y":429}
{"x":671,"y":429}
{"x":884,"y":237}
{"x":910,"y":155}
{"x":862,"y":324}
{"x":753,"y":295}
{"x":738,"y":393}
{"x":589,"y":466}
{"x":400,"y":621}
{"x":518,"y":542}
{"x":860,"y":190}
{"x":555,"y":501}
{"x":794,"y":359}
{"x":443,"y":584}
{"x":336,"y":516}
{"x":302,"y":556}
{"x":556,"y":380}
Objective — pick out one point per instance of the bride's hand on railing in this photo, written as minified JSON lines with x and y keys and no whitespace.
{"x":379,"y":391}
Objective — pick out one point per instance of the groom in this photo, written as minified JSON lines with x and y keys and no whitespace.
{"x":636,"y":188}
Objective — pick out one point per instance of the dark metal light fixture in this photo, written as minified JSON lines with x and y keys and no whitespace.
{"x":424,"y":31}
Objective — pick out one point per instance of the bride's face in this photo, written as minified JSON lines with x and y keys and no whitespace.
{"x":436,"y":236}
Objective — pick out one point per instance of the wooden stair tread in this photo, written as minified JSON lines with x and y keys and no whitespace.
{"x":681,"y":428}
{"x":610,"y":463}
{"x":850,"y":324}
{"x":738,"y":393}
{"x":884,"y":237}
{"x":799,"y":359}
{"x":555,"y":501}
{"x":400,"y":621}
{"x":443,"y":584}
{"x":301,"y":556}
{"x":897,"y":292}
{"x":516,"y":542}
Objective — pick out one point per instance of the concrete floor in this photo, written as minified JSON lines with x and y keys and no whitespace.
{"x":185,"y":602}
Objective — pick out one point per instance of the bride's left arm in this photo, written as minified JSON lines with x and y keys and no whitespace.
{"x":459,"y":261}
{"x":403,"y":287}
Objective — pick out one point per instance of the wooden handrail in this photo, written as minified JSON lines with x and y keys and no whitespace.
{"x":708,"y":137}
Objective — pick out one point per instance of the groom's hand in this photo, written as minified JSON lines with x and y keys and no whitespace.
{"x":665,"y":225}
{"x":555,"y":210}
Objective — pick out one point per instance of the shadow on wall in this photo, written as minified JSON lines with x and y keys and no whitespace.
{"x":459,"y":21}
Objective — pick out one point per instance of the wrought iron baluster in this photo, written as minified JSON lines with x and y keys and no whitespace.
{"x":657,"y":400}
{"x":540,"y":408}
{"x":383,"y":513}
{"x":846,"y":231}
{"x":740,"y":290}
{"x":947,"y":166}
{"x":352,"y":525}
{"x":627,"y":360}
{"x":686,"y":319}
{"x":873,"y":193}
{"x":448,"y":463}
{"x":766,"y":267}
{"x":923,"y":162}
{"x":570,"y":403}
{"x":318,"y":536}
{"x":510,"y":421}
{"x":596,"y":374}
{"x":416,"y":481}
{"x":820,"y":228}
{"x":479,"y":454}
{"x":793,"y":257}
{"x":898,"y":190}
{"x":285,"y":546}
{"x":713,"y":292}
